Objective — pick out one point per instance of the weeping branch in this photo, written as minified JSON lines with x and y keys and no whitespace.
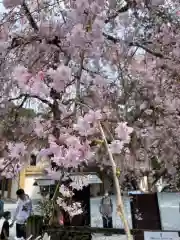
{"x":154,"y":53}
{"x":158,"y":175}
{"x":26,"y":96}
{"x":29,"y":17}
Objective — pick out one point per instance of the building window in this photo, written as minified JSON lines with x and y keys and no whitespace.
{"x":33,"y":160}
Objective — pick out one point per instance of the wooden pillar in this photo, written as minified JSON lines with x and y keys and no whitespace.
{"x":3,"y":187}
{"x":101,"y":175}
{"x":9,"y":188}
{"x":22,"y":176}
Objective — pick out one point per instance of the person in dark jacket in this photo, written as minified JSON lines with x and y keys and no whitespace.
{"x":4,"y":225}
{"x":1,"y":207}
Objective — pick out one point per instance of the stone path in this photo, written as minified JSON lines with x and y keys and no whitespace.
{"x":113,"y":237}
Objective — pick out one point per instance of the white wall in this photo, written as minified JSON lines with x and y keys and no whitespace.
{"x":169,"y":206}
{"x":32,"y":191}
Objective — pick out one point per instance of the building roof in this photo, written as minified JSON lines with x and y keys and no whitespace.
{"x":89,"y":177}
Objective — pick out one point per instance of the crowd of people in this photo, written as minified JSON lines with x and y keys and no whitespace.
{"x":22,"y":213}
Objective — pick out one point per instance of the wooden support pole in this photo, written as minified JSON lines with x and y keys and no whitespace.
{"x":9,"y":188}
{"x":22,"y":178}
{"x":3,"y":187}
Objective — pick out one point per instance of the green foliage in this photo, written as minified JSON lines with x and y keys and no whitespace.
{"x":45,"y":207}
{"x":155,"y":164}
{"x":27,"y":113}
{"x":34,"y":225}
{"x":67,"y":235}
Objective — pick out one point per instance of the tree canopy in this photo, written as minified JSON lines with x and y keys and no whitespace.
{"x":86,"y":63}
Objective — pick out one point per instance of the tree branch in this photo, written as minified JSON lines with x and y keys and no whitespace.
{"x":32,"y":96}
{"x":159,"y":174}
{"x":29,"y":17}
{"x":136,"y":44}
{"x":78,"y":83}
{"x":121,"y":10}
{"x":156,"y":54}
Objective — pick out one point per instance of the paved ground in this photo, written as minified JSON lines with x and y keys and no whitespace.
{"x":113,"y":237}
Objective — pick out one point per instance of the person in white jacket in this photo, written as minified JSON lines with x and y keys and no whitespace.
{"x":22,"y":213}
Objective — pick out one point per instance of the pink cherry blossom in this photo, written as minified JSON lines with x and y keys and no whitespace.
{"x":17,"y":150}
{"x":60,"y":77}
{"x":41,"y":75}
{"x":93,"y":116}
{"x":22,"y":76}
{"x":123,"y":132}
{"x":43,"y":153}
{"x":12,"y":3}
{"x":39,"y":88}
{"x":73,"y":209}
{"x":116,"y":146}
{"x":82,"y":126}
{"x":73,"y":142}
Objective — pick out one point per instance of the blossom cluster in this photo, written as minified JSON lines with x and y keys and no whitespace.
{"x":73,"y":209}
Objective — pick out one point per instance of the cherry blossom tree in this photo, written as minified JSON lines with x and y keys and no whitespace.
{"x":97,"y":71}
{"x":77,"y":98}
{"x":154,"y":108}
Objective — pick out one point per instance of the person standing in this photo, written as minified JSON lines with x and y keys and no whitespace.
{"x":22,"y":213}
{"x":4,"y":226}
{"x":1,"y":206}
{"x":106,"y":210}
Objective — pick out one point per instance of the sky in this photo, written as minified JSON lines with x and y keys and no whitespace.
{"x":2,"y":9}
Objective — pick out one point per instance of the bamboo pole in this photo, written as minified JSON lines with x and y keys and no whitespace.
{"x":120,"y":205}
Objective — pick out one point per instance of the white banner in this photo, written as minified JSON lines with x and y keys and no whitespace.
{"x":161,"y":236}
